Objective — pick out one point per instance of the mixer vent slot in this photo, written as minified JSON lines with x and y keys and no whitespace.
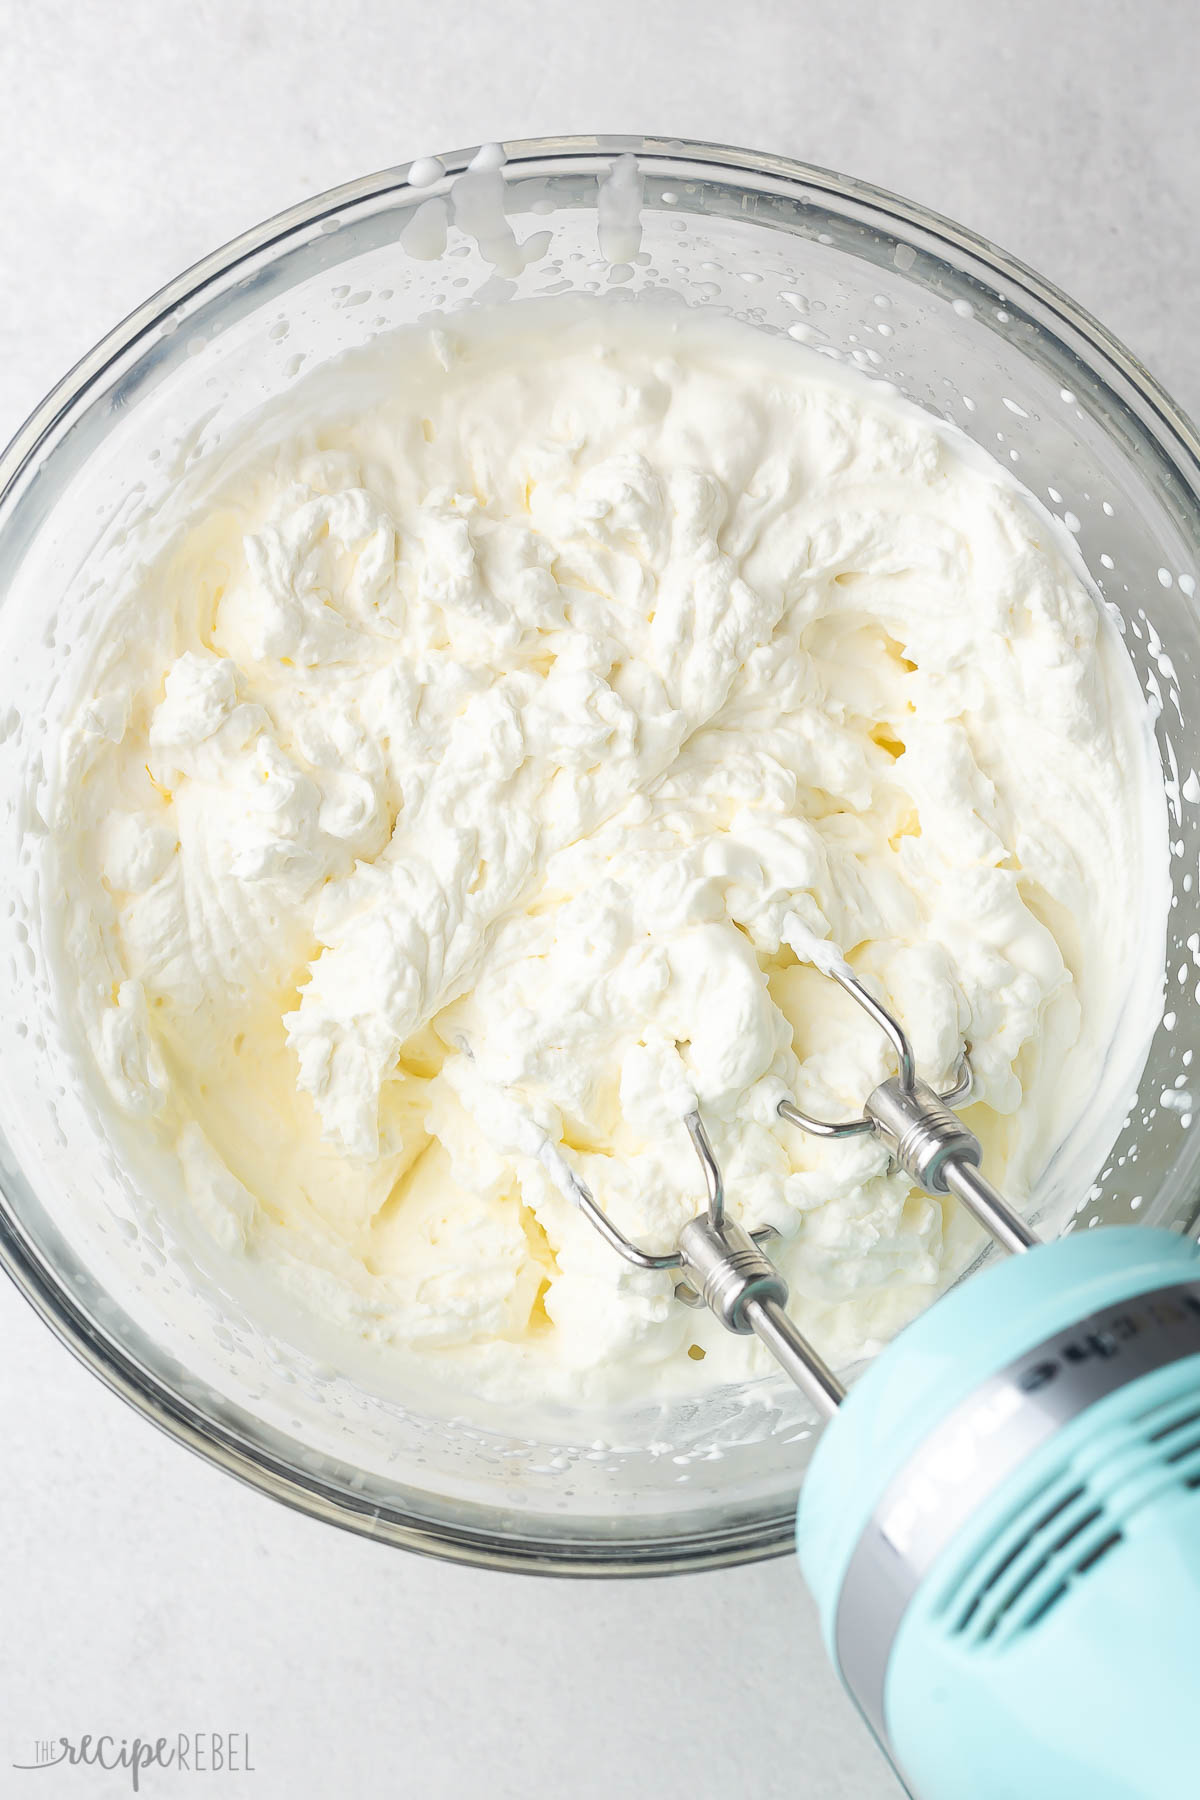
{"x":1075,"y":1520}
{"x":1040,"y":1560}
{"x":1174,"y":1425}
{"x":1180,"y":1446}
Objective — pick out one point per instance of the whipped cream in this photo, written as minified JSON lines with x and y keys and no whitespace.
{"x":486,"y":771}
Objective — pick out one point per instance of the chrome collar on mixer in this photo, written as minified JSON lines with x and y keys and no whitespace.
{"x":726,"y":1268}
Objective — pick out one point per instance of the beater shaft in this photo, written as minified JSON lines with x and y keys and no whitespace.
{"x":987,"y":1206}
{"x":746,"y":1291}
{"x":795,"y":1356}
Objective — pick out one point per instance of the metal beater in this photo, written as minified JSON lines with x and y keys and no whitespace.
{"x":726,"y":1267}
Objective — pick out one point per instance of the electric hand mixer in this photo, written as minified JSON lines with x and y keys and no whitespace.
{"x":1001,"y":1524}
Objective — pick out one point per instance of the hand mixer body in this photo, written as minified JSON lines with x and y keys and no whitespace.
{"x":1002,"y":1529}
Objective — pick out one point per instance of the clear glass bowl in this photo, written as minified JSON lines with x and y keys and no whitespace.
{"x":958,"y":326}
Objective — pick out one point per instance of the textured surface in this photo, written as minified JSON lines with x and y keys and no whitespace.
{"x":143,"y":1591}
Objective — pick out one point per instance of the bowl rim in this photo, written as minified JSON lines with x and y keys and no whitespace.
{"x":122,"y":1372}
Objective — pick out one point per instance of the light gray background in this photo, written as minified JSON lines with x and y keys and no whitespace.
{"x":142,"y":1591}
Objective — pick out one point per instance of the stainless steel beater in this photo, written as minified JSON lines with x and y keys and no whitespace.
{"x":727,"y":1268}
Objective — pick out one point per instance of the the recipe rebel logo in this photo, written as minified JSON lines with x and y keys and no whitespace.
{"x":188,"y":1753}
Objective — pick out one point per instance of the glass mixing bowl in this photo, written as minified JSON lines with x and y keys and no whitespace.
{"x":854,"y":272}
